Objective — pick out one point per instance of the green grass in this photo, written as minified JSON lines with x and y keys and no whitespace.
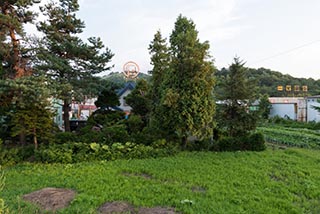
{"x":273,"y":181}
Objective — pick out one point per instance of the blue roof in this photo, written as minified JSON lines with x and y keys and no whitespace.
{"x":127,"y":86}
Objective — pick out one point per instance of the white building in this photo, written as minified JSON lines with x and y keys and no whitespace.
{"x":312,"y":114}
{"x":295,"y":108}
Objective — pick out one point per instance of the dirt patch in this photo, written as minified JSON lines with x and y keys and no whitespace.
{"x":116,"y":207}
{"x":51,"y":199}
{"x":141,"y":175}
{"x":157,"y":210}
{"x":198,"y":189}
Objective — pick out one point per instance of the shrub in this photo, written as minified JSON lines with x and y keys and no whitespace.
{"x":252,"y":142}
{"x":3,"y":209}
{"x":73,"y":152}
{"x":256,"y":142}
{"x":65,"y":137}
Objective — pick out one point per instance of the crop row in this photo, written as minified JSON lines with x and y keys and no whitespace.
{"x":292,"y":137}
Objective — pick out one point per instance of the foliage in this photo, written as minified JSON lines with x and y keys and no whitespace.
{"x":264,"y":107}
{"x":30,"y":112}
{"x":3,"y":208}
{"x":64,"y":58}
{"x":252,"y":142}
{"x":298,"y":137}
{"x":74,"y":152}
{"x":272,"y":181}
{"x":107,"y":99}
{"x":237,"y":95}
{"x":187,"y":105}
{"x":139,"y":100}
{"x":14,"y":56}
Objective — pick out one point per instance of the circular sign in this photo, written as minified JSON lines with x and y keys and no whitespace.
{"x":131,"y":70}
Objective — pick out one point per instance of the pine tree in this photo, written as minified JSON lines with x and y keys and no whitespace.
{"x":30,"y":113}
{"x":64,"y":58}
{"x":187,"y":98}
{"x":237,"y":94}
{"x":13,"y":55}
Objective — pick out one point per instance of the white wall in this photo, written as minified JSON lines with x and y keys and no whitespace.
{"x":283,"y":110}
{"x":312,"y":114}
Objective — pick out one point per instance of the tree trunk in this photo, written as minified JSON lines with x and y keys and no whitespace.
{"x":35,"y":140}
{"x":22,"y":138}
{"x":66,"y":120}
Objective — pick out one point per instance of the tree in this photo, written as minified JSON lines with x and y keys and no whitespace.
{"x":107,"y":99}
{"x":187,"y":98}
{"x":160,"y":59}
{"x":30,"y":113}
{"x":237,"y":95}
{"x":14,"y":57}
{"x":264,"y":107}
{"x":64,"y":58}
{"x":139,"y":100}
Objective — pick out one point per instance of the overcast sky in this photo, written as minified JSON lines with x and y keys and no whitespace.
{"x":282,"y":35}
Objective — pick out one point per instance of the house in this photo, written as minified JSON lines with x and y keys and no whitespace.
{"x":122,"y":93}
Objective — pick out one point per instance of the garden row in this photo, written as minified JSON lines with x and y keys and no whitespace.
{"x":299,"y":137}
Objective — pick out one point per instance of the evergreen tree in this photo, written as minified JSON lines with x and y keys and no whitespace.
{"x":187,"y":98}
{"x":237,"y":95}
{"x":139,"y":100}
{"x":160,"y":59}
{"x":264,"y":107}
{"x":14,"y":57}
{"x":64,"y":58}
{"x":30,"y":111}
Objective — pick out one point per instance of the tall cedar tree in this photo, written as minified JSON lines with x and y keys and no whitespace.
{"x":188,"y":85}
{"x":238,"y":93}
{"x":65,"y":58}
{"x":13,"y":56}
{"x":160,"y":59}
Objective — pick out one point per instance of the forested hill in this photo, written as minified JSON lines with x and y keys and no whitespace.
{"x":268,"y":81}
{"x":119,"y":79}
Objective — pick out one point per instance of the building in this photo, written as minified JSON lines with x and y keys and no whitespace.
{"x":313,"y":114}
{"x":122,"y":93}
{"x":295,"y":108}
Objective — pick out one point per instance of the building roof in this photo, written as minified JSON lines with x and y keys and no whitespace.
{"x":128,"y":86}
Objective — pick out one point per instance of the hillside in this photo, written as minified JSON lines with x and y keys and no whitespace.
{"x":268,"y":81}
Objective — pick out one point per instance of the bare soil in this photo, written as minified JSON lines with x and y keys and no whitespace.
{"x":51,"y":199}
{"x":116,"y":207}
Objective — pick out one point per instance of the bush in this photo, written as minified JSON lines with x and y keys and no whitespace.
{"x":252,"y":142}
{"x":65,"y":137}
{"x":256,"y":142}
{"x":73,"y":152}
{"x":3,"y":208}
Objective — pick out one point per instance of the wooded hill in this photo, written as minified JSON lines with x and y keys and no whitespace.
{"x":266,"y":80}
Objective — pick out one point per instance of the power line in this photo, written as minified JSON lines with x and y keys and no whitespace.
{"x":287,"y":51}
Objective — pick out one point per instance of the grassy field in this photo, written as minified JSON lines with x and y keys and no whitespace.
{"x":273,"y":181}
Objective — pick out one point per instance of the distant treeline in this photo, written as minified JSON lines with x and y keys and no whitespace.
{"x":267,"y":82}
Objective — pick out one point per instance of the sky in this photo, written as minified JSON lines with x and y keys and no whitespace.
{"x":281,"y":35}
